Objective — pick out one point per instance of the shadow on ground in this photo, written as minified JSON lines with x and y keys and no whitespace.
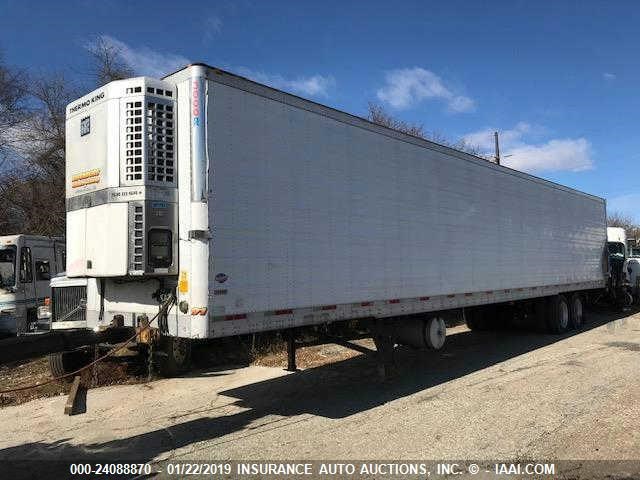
{"x":335,"y":391}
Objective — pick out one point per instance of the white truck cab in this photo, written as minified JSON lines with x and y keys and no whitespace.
{"x":619,"y":263}
{"x":27,"y":263}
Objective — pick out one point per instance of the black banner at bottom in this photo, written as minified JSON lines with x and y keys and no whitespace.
{"x":324,"y":469}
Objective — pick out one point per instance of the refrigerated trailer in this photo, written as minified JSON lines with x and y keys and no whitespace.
{"x":257,"y":210}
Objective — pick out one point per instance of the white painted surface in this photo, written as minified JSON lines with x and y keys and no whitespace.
{"x":76,"y":251}
{"x":307,"y":210}
{"x":616,"y":234}
{"x":107,"y":237}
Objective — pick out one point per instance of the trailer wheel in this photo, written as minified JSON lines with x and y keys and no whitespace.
{"x":435,"y":333}
{"x":62,"y":363}
{"x":176,"y":358}
{"x":577,"y":311}
{"x":474,"y":319}
{"x":481,"y":318}
{"x":559,"y":314}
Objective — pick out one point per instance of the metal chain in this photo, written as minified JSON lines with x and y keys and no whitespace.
{"x":150,"y":362}
{"x":94,"y":369}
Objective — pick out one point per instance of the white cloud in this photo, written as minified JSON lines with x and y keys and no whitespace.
{"x":409,"y":86}
{"x":519,"y":149}
{"x":484,"y":140}
{"x":213,"y":24}
{"x":562,"y":154}
{"x":609,"y":76}
{"x":212,"y":27}
{"x":146,"y":61}
{"x":313,"y":86}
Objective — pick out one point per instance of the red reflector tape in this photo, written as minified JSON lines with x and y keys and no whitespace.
{"x":328,"y":307}
{"x":366,"y":304}
{"x":240,"y":316}
{"x":395,"y":300}
{"x":283,"y":312}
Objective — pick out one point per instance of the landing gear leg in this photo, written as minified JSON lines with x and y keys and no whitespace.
{"x":291,"y":351}
{"x":384,"y":349}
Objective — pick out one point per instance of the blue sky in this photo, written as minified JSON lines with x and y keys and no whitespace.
{"x":559,"y":80}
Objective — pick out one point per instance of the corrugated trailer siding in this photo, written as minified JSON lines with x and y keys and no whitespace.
{"x":307,"y":210}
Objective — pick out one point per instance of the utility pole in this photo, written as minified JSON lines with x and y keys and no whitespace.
{"x":497,"y":158}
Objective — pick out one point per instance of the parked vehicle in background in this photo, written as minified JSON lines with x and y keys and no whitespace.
{"x":69,"y":300}
{"x":620,"y":285}
{"x":633,"y":267}
{"x":27,"y":263}
{"x":246,"y":209}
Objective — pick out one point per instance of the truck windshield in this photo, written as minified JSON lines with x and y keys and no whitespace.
{"x":616,"y":249}
{"x":7,"y":266}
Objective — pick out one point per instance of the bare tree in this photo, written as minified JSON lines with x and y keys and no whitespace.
{"x":32,"y":184}
{"x":107,"y":60}
{"x":12,"y":106}
{"x":631,"y":227}
{"x":378,"y":115}
{"x":32,"y":137}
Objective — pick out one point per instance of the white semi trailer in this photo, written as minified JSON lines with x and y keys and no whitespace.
{"x":258,"y":210}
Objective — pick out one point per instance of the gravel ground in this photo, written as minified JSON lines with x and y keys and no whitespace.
{"x":491,"y":395}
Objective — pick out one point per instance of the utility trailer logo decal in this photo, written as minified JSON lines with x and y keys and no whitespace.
{"x":221,"y":277}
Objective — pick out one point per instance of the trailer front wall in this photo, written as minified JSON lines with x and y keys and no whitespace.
{"x":306,"y":210}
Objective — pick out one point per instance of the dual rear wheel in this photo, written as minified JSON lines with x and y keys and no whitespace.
{"x":564,"y":312}
{"x":558,"y":313}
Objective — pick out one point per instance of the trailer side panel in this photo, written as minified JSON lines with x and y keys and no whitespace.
{"x":308,"y":210}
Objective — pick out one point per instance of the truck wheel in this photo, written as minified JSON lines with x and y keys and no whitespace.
{"x":62,"y":363}
{"x":474,"y":319}
{"x":577,"y":311}
{"x":559,"y":314}
{"x":435,"y":333}
{"x":176,"y":358}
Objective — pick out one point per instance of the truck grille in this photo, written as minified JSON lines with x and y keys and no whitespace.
{"x":69,"y":304}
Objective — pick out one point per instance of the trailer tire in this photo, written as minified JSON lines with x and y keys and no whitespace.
{"x":176,"y":358}
{"x":481,"y":318}
{"x":435,"y":333}
{"x":558,"y":316}
{"x":62,"y":363}
{"x":577,"y":311}
{"x":474,"y":319}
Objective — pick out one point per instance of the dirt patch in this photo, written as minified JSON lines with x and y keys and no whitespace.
{"x":633,"y":347}
{"x":310,"y":357}
{"x":266,"y":350}
{"x":36,"y":371}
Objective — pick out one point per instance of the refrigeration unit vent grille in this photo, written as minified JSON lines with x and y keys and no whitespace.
{"x":133,"y":151}
{"x":160,"y":143}
{"x":138,"y":238}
